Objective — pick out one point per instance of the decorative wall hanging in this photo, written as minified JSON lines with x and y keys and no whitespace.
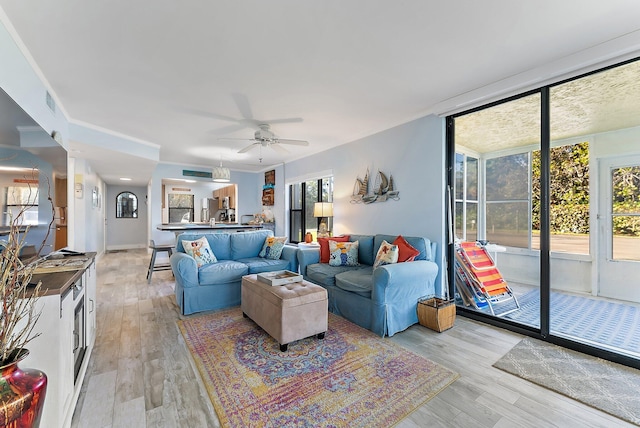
{"x":382,"y":191}
{"x":268,"y":188}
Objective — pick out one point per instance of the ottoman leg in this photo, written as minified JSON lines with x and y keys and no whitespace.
{"x":283,"y":348}
{"x":320,"y":335}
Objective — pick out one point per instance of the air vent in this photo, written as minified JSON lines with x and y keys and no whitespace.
{"x":51,"y":103}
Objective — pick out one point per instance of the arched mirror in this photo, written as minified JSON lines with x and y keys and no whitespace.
{"x":126,"y":205}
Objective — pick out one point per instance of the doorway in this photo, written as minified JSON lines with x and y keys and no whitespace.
{"x":619,"y":228}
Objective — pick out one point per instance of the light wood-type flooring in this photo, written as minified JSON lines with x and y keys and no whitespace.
{"x":141,"y":375}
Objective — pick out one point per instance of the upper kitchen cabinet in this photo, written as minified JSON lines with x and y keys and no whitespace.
{"x":230,"y":192}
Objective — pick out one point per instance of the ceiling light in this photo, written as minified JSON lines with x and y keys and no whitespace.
{"x":125,"y":179}
{"x":221,"y":174}
{"x":17,"y":169}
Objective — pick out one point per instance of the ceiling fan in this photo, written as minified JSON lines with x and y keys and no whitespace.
{"x":264,"y":137}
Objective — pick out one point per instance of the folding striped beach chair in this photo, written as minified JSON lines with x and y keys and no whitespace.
{"x":479,"y":281}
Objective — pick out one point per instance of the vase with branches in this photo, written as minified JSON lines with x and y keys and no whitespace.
{"x":22,"y":392}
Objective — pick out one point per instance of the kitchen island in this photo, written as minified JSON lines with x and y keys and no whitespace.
{"x":179,"y":228}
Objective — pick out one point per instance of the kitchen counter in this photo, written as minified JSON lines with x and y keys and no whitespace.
{"x":57,"y":281}
{"x":219,"y":226}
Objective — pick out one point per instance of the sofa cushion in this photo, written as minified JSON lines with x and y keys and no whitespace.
{"x":222,"y":272}
{"x":248,"y":244}
{"x":272,"y":247}
{"x":343,"y":253}
{"x":324,"y":246}
{"x":359,"y":281}
{"x":220,"y":243}
{"x":261,"y":264}
{"x":406,"y":252}
{"x":323,"y":274}
{"x":366,"y":255}
{"x":421,"y":244}
{"x":199,"y":249}
{"x":387,"y":254}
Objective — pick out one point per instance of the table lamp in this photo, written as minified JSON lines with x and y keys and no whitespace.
{"x":322,"y":210}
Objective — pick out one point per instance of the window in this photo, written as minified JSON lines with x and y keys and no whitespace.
{"x":568,"y":198}
{"x":126,"y":205}
{"x":302,"y":197}
{"x":22,"y":201}
{"x":507,"y":190}
{"x":466,"y":197}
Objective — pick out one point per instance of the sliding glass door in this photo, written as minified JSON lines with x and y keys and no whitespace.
{"x":547,"y":185}
{"x":494,"y":217}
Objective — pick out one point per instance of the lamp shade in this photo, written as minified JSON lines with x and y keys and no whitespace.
{"x":323,"y":209}
{"x":221,"y":174}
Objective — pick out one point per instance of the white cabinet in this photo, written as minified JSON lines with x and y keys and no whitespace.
{"x":90,"y":285}
{"x":65,"y":356}
{"x":62,"y":334}
{"x":52,"y":352}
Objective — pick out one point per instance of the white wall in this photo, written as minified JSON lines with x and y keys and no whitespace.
{"x":126,"y":233}
{"x":87,"y":225}
{"x":414,"y":154}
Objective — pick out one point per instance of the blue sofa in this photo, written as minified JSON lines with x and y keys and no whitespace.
{"x":382,"y":300}
{"x":217,"y":285}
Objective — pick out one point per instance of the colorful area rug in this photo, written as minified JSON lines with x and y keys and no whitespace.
{"x":610,"y":387}
{"x":351,"y":378}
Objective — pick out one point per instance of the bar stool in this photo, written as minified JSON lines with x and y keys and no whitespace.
{"x":152,"y":264}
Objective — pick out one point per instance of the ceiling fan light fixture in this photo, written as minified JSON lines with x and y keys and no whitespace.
{"x":220,"y":174}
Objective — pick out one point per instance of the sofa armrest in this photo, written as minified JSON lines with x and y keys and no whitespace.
{"x":185,"y":269}
{"x":401,"y":281}
{"x":290,"y":253}
{"x":307,"y":257}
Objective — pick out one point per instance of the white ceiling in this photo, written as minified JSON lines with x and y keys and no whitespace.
{"x":184,"y":74}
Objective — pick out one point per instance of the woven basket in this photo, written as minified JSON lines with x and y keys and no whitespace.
{"x":436,"y":314}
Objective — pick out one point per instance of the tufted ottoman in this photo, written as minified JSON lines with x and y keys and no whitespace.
{"x":287,"y":312}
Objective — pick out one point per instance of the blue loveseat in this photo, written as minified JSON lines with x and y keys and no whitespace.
{"x":217,"y":285}
{"x":382,"y":300}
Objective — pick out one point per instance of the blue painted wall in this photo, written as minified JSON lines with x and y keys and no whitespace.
{"x":414,"y":154}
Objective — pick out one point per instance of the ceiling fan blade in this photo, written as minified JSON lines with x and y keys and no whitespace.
{"x":228,"y":129}
{"x":286,"y":120}
{"x":278,"y":148}
{"x":243,"y":105}
{"x":293,"y":142}
{"x":249,"y":147}
{"x":207,"y":114}
{"x":235,"y":139}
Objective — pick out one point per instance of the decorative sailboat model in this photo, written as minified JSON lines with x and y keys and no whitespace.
{"x":383,"y":189}
{"x":360,"y":189}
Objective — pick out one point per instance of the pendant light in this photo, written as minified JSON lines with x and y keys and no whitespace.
{"x":221,"y":174}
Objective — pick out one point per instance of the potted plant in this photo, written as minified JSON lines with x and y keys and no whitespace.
{"x":22,"y":391}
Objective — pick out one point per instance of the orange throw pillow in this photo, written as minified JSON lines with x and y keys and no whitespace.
{"x":324,"y":246}
{"x":407,"y":253}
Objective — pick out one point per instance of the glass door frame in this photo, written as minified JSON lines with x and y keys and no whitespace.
{"x":543,"y":332}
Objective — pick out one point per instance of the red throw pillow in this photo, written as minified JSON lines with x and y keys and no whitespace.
{"x":407,"y":253}
{"x":324,"y":246}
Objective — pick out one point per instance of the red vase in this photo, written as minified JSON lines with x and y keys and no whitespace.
{"x":22,"y":394}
